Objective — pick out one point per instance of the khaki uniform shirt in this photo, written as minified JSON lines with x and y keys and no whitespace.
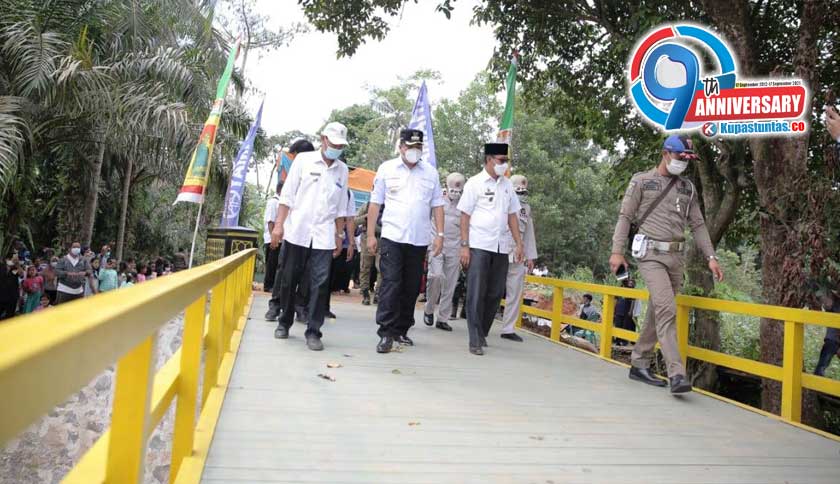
{"x":526,"y":233}
{"x":668,"y":221}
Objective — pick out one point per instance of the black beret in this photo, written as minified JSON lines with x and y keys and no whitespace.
{"x":411,"y":136}
{"x":496,"y":149}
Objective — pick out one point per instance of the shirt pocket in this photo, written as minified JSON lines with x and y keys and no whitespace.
{"x":425,"y":190}
{"x":394,"y":185}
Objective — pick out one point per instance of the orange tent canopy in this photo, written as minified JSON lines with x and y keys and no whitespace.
{"x":361,"y":180}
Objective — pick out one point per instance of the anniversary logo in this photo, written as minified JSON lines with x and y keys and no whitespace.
{"x":675,"y":90}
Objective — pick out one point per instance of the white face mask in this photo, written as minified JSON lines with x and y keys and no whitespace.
{"x":454,"y":194}
{"x":676,"y":167}
{"x":412,"y":156}
{"x":75,"y":251}
{"x":500,"y":169}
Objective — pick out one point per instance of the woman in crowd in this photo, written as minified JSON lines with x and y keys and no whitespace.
{"x":33,"y":287}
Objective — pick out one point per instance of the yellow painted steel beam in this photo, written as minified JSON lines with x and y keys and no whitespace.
{"x":792,"y":371}
{"x":47,"y":356}
{"x":764,"y":370}
{"x":607,"y":326}
{"x":821,"y":384}
{"x":762,"y":310}
{"x":542,"y":313}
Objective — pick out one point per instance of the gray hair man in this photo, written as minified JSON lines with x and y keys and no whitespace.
{"x":515,"y":284}
{"x":446,"y":266}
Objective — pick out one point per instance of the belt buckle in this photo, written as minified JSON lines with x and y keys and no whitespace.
{"x":674,"y":246}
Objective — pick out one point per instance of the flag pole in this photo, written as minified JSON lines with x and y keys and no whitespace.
{"x":195,"y":234}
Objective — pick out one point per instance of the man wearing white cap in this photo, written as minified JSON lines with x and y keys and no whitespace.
{"x":314,"y":210}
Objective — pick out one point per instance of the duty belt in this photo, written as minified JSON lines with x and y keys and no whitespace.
{"x":665,"y":246}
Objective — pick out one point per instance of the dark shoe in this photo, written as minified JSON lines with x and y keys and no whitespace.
{"x":330,"y":315}
{"x":464,"y":314}
{"x":443,"y":325}
{"x":512,"y":337}
{"x":385,"y":344}
{"x":680,"y":384}
{"x":313,"y":342}
{"x":476,"y":350}
{"x":345,"y":291}
{"x":281,"y":332}
{"x":422,"y":298}
{"x":365,"y":297}
{"x":645,"y":376}
{"x":404,"y":340}
{"x":375,"y":298}
{"x":272,"y":314}
{"x":429,"y":319}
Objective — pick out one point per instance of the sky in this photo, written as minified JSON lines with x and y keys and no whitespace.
{"x":303,"y":98}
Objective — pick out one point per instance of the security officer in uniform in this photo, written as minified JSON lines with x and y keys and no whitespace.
{"x":659,"y":248}
{"x":445,"y":268}
{"x":368,"y":260}
{"x":516,"y":271}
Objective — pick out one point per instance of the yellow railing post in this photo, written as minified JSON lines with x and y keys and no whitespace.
{"x":130,"y":416}
{"x":792,"y":372}
{"x":556,"y":313}
{"x":182,"y":438}
{"x":682,"y":331}
{"x":607,"y":326}
{"x":215,"y":338}
{"x":230,"y":311}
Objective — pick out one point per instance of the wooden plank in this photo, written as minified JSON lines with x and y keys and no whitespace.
{"x":524,"y":412}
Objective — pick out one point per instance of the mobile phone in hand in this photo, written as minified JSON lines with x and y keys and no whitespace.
{"x":621,"y":274}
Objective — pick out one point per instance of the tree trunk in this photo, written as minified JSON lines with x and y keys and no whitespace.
{"x":92,"y":197}
{"x":124,"y":207}
{"x":788,"y":220}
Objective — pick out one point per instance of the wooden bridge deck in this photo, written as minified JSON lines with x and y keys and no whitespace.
{"x":532,"y":412}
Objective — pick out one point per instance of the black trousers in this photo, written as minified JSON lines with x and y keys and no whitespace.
{"x":401,"y":267}
{"x":305,"y":266}
{"x":271,"y":257}
{"x":828,"y":351}
{"x":8,"y":308}
{"x":486,"y":277}
{"x":302,"y":294}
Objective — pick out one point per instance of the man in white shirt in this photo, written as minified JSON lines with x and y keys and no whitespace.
{"x":313,"y":211}
{"x":445,"y":268}
{"x":489,"y":210}
{"x":269,"y":216}
{"x":409,"y":188}
{"x":275,"y":303}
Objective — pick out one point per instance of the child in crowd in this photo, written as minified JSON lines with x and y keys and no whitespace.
{"x":141,"y":273}
{"x":108,"y":280}
{"x":33,"y":288}
{"x":45,"y":303}
{"x":130,"y":277}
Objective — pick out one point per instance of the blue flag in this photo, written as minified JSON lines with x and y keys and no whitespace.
{"x":233,"y":197}
{"x":421,"y":118}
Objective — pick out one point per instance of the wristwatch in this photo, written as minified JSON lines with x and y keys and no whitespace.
{"x":440,"y":234}
{"x":712,"y":257}
{"x":465,"y":243}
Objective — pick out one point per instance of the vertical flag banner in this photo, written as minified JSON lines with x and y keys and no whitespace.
{"x":195,"y":183}
{"x":284,"y":166}
{"x":233,"y":197}
{"x":506,"y":126}
{"x":421,"y":118}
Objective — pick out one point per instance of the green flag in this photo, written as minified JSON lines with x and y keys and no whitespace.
{"x":506,"y":126}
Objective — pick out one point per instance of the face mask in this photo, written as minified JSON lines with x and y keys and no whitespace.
{"x":75,"y":251}
{"x":9,"y":263}
{"x":676,"y":167}
{"x":332,"y":153}
{"x":412,"y":156}
{"x":500,"y":169}
{"x":454,"y":195}
{"x":523,"y":197}
{"x":54,"y":264}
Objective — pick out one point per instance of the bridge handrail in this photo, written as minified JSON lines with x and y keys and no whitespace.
{"x":47,"y":356}
{"x":790,"y":373}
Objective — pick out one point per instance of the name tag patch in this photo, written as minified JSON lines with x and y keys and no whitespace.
{"x":651,"y":185}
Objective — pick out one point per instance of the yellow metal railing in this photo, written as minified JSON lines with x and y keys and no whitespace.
{"x":790,"y":374}
{"x":45,"y":357}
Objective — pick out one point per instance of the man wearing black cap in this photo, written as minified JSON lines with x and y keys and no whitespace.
{"x":409,"y":188}
{"x":489,"y":209}
{"x":662,"y":204}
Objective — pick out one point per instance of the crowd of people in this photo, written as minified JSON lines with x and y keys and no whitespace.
{"x":34,"y":282}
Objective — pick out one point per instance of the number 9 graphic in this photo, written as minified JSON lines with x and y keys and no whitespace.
{"x":681,"y":95}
